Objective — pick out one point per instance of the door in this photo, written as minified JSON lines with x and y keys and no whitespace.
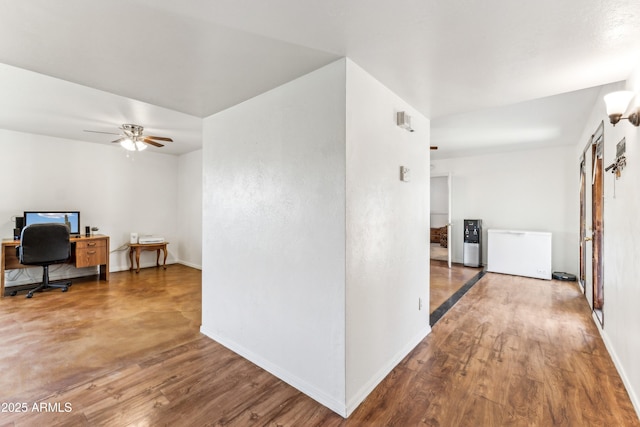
{"x":591,"y":221}
{"x":582,"y":276}
{"x":440,"y":214}
{"x":587,"y":227}
{"x":597,"y":213}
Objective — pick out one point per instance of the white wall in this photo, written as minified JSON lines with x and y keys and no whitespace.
{"x":314,"y":251}
{"x":387,"y":233}
{"x":116,"y":193}
{"x":621,"y":248}
{"x":190,"y":209}
{"x":274,"y":232}
{"x":523,"y":190}
{"x":439,"y":192}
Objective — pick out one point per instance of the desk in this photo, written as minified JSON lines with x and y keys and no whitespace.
{"x":85,"y":252}
{"x":139,"y":247}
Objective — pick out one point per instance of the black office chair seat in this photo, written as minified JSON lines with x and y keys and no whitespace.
{"x":44,"y":245}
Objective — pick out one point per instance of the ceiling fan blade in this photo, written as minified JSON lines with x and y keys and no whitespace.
{"x":160,"y":138}
{"x":151,"y":142}
{"x":134,"y":133}
{"x":97,"y":131}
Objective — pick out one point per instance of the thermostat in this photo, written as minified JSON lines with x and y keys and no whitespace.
{"x":405,"y":174}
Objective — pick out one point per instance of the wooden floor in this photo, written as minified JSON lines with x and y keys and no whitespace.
{"x":445,"y":281}
{"x":438,"y":253}
{"x":512,"y":351}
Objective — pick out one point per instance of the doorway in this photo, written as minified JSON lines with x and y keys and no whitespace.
{"x":448,"y":282}
{"x":591,"y":222}
{"x":440,"y":218}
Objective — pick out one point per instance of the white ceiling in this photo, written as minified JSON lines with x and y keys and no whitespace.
{"x":162,"y":63}
{"x":544,"y":122}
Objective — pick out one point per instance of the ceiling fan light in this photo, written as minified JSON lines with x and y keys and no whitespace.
{"x":140,"y":146}
{"x":617,"y":103}
{"x":128,"y":144}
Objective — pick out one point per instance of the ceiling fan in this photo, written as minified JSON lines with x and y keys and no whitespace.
{"x":132,"y":138}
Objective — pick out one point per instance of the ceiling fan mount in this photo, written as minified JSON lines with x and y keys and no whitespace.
{"x":132,"y":137}
{"x":135,"y":130}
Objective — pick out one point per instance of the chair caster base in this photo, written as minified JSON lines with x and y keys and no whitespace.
{"x":62,"y":287}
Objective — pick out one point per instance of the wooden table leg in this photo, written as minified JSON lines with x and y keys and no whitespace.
{"x":138,"y":249}
{"x":164,"y":263}
{"x":157,"y":257}
{"x":131,"y":258}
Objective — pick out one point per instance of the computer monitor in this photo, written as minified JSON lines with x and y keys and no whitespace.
{"x":70,"y":218}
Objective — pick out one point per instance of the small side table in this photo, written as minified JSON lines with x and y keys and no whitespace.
{"x":139,"y":247}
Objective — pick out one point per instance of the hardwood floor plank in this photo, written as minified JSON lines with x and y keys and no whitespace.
{"x":520,"y":392}
{"x":257,"y":412}
{"x":445,"y":281}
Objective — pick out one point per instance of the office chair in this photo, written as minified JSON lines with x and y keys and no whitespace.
{"x":45,"y":244}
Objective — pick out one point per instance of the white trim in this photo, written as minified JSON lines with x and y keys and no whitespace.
{"x":33,"y":275}
{"x":286,"y":376}
{"x":190,"y":264}
{"x":368,"y":387}
{"x":618,"y":365}
{"x":114,"y":268}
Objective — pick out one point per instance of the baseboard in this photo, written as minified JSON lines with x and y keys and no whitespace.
{"x":190,"y":264}
{"x":619,"y":367}
{"x":366,"y":389}
{"x":114,"y":268}
{"x":286,"y":376}
{"x":32,"y":275}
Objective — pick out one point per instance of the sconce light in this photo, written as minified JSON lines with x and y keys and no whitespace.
{"x":618,"y":103}
{"x":404,"y":120}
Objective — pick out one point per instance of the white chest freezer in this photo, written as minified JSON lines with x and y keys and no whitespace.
{"x":521,"y":253}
